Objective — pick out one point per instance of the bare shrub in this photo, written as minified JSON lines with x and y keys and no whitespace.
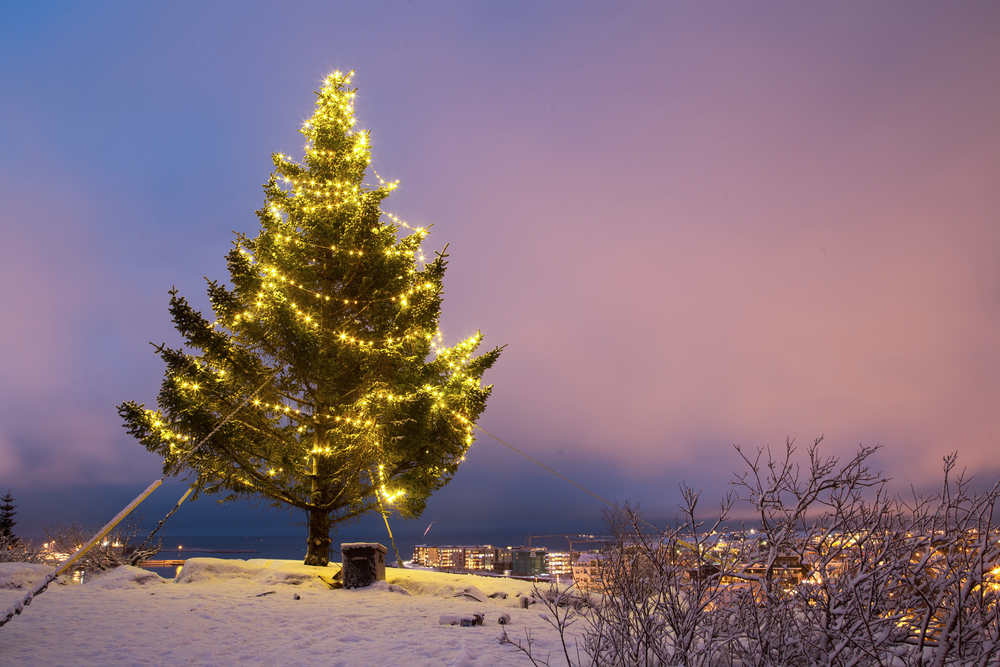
{"x":807,"y":516}
{"x":663,"y":589}
{"x":892,"y":580}
{"x":15,"y":550}
{"x":119,"y":547}
{"x":564,"y":606}
{"x":840,"y":573}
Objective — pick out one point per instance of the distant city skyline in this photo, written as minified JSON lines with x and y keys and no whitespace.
{"x":692,"y":226}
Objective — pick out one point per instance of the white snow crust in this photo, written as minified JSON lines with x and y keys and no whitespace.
{"x":126,"y":577}
{"x":364,"y":545}
{"x":228,"y":612}
{"x":22,"y":576}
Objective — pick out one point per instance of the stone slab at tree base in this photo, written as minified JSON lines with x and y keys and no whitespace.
{"x":364,"y":563}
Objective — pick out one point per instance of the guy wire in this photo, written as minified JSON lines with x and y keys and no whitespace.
{"x":563,"y":477}
{"x":606,"y":502}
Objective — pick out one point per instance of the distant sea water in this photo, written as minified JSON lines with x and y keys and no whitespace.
{"x":293,"y":547}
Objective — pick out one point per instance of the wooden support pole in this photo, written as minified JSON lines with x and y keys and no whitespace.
{"x":66,"y":564}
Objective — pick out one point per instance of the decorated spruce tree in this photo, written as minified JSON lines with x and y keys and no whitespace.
{"x":331,"y":329}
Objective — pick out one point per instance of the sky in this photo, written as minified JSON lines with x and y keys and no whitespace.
{"x":693,"y":225}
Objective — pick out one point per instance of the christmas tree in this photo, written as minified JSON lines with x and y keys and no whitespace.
{"x":331,"y":326}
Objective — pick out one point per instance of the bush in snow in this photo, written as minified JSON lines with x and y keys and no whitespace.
{"x":15,"y":550}
{"x":120,"y":547}
{"x":840,"y":573}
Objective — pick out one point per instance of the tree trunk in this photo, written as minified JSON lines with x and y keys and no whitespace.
{"x":318,"y":546}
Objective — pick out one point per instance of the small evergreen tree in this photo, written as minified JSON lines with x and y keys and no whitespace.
{"x":7,"y":523}
{"x":333,"y":321}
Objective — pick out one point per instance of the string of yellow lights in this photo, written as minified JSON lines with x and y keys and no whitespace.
{"x":285,"y":238}
{"x":284,"y":410}
{"x":276,"y":276}
{"x":467,"y":346}
{"x":302,"y":186}
{"x":365,"y":420}
{"x":371,"y":422}
{"x":386,"y":495}
{"x":310,"y":319}
{"x":423,"y":231}
{"x":369,"y":345}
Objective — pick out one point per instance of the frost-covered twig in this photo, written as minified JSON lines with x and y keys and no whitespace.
{"x":843,"y":574}
{"x":16,"y":550}
{"x":525,"y":648}
{"x":118,"y":548}
{"x":564,"y":606}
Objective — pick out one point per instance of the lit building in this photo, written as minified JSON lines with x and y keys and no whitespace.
{"x":462,"y":557}
{"x":786,"y":570}
{"x":559,"y":564}
{"x":426,"y":555}
{"x":451,"y":557}
{"x":503,"y":561}
{"x":587,"y":572}
{"x":480,"y":558}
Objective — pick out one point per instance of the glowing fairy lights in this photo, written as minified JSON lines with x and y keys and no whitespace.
{"x":335,"y":307}
{"x":387,"y":496}
{"x":273,"y":280}
{"x":366,"y":418}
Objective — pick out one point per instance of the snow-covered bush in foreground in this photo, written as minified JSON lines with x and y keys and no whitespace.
{"x":840,"y":574}
{"x":15,"y":550}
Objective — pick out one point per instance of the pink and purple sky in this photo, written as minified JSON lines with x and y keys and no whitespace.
{"x":693,"y":225}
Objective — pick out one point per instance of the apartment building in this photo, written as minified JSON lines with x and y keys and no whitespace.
{"x":559,"y":564}
{"x":529,"y":562}
{"x":461,"y":557}
{"x":587,"y":572}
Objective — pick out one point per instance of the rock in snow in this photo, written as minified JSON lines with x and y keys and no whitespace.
{"x":466,"y":621}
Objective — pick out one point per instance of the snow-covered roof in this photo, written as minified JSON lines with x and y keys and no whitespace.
{"x":586,"y":558}
{"x":363,"y":545}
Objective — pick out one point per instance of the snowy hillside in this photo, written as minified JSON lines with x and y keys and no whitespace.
{"x":229,"y":612}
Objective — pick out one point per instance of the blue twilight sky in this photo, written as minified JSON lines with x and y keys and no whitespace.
{"x":692,"y":224}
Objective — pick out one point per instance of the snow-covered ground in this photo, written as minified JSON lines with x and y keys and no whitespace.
{"x":235,"y":612}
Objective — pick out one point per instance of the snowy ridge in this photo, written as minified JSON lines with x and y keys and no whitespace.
{"x":22,"y":576}
{"x":127,"y":576}
{"x":260,"y":570}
